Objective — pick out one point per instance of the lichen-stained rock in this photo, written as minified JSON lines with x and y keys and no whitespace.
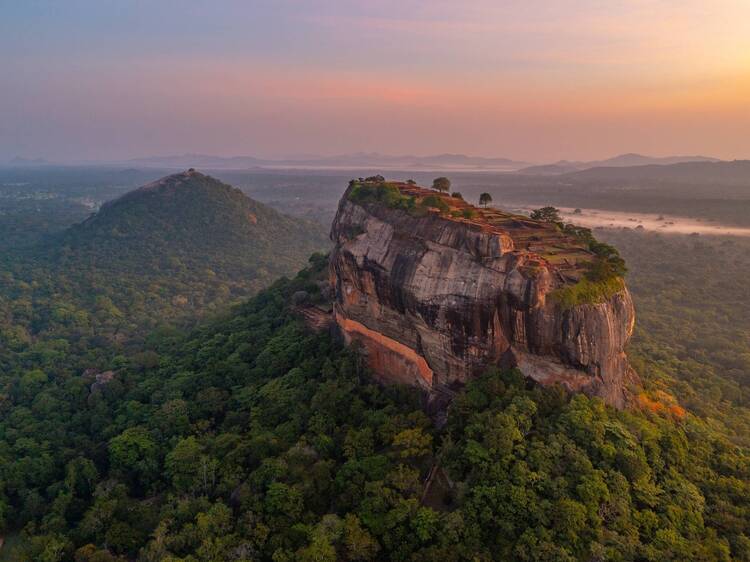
{"x":435,"y":297}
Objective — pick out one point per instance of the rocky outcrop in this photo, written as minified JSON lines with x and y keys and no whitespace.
{"x":436,"y":296}
{"x":98,"y":380}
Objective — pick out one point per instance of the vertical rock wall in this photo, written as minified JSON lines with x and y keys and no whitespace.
{"x":435,"y":300}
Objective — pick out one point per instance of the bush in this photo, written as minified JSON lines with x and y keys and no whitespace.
{"x":579,"y":232}
{"x":434,"y":201}
{"x":380,"y":192}
{"x":607,"y":262}
{"x":546,"y":214}
{"x":587,"y":291}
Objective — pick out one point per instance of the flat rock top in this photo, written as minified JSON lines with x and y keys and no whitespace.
{"x":565,"y":254}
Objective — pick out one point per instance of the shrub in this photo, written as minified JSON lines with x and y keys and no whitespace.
{"x":546,"y":214}
{"x":380,"y":192}
{"x":587,"y":291}
{"x":579,"y":232}
{"x":607,"y":262}
{"x":434,"y":201}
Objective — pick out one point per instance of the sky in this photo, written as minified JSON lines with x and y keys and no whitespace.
{"x":536,"y":80}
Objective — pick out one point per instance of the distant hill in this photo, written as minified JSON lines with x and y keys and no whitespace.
{"x":620,"y":161}
{"x":632,"y":159}
{"x":190,"y":221}
{"x":732,"y":173}
{"x":561,"y":167}
{"x":359,"y":160}
{"x":172,"y":250}
{"x":197,"y":161}
{"x":21,"y":161}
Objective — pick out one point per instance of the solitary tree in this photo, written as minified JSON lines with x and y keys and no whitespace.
{"x":441,"y":184}
{"x":485,"y":199}
{"x":546,"y":214}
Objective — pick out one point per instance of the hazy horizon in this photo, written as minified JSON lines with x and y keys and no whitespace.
{"x":533,"y":81}
{"x":318,"y":160}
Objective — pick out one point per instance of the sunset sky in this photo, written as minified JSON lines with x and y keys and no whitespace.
{"x":537,"y":80}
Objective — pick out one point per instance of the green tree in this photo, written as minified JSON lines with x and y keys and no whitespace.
{"x":359,"y":544}
{"x":81,"y":476}
{"x":441,"y":184}
{"x":31,"y":383}
{"x":190,"y":469}
{"x":546,"y":214}
{"x":412,"y":443}
{"x":134,"y":454}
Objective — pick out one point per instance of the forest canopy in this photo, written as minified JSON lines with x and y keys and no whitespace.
{"x":128,"y":432}
{"x":254,"y":438}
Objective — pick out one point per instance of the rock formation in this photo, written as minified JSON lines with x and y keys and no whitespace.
{"x":435,"y":290}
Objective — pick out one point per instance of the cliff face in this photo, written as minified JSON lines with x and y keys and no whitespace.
{"x":435,"y":297}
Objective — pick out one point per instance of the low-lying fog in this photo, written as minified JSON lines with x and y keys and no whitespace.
{"x":668,"y":224}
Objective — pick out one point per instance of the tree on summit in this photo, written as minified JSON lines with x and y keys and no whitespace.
{"x":485,"y":199}
{"x":442,"y":184}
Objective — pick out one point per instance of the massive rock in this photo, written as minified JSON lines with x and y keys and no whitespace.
{"x":434,"y":297}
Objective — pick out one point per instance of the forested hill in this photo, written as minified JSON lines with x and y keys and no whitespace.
{"x":192,"y":221}
{"x":171,"y":251}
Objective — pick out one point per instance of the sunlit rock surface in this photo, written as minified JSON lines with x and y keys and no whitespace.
{"x":435,"y":298}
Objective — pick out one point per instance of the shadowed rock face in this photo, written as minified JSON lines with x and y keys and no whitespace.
{"x":434,"y":300}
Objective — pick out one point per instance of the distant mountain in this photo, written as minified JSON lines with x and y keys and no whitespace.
{"x":20,"y":161}
{"x":620,"y":161}
{"x":736,"y":172}
{"x":561,"y":167}
{"x":359,"y":160}
{"x":632,"y":159}
{"x":197,"y":161}
{"x":193,"y":221}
